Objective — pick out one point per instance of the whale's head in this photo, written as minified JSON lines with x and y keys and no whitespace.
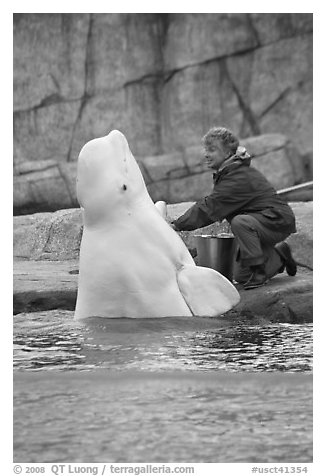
{"x":109,"y":180}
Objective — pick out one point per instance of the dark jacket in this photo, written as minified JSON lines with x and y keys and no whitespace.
{"x":239,"y":189}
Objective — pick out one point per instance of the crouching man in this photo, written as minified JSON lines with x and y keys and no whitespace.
{"x":260,"y":220}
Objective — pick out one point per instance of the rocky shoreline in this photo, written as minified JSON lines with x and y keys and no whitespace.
{"x":46,"y":247}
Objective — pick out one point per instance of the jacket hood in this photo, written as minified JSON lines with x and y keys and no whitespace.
{"x":240,"y":157}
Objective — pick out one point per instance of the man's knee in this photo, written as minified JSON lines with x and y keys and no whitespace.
{"x":241,"y":222}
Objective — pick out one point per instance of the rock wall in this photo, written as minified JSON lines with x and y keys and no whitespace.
{"x":163,"y":80}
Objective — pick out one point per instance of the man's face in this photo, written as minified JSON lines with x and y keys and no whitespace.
{"x":214,"y":155}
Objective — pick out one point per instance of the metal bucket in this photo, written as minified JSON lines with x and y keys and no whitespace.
{"x":217,"y":252}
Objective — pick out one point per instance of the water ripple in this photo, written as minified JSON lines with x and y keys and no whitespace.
{"x":52,"y":340}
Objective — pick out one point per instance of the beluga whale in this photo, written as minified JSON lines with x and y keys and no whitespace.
{"x":132,"y":263}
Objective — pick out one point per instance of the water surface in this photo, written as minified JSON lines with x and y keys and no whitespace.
{"x":160,"y":390}
{"x":53,"y":340}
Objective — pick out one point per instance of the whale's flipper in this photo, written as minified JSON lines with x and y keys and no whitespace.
{"x":206,"y":291}
{"x":162,"y":208}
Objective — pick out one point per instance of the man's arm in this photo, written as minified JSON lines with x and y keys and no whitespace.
{"x":202,"y":213}
{"x":227,"y":199}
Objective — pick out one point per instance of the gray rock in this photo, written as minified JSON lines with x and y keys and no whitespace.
{"x":48,"y":236}
{"x":44,"y":285}
{"x":163,"y":79}
{"x":123,"y":48}
{"x":45,"y":185}
{"x":275,"y":156}
{"x":282,"y":299}
{"x":45,"y":133}
{"x":271,"y":28}
{"x":120,"y":109}
{"x":273,"y":88}
{"x":193,"y":39}
{"x":195,"y":99}
{"x":301,"y":242}
{"x":49,"y":58}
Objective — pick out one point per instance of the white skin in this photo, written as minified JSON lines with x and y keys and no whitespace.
{"x":214,"y":155}
{"x":131,"y":263}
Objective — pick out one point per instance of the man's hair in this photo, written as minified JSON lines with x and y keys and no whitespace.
{"x":229,"y":141}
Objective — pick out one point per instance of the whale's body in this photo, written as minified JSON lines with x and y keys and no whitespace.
{"x":132,"y":263}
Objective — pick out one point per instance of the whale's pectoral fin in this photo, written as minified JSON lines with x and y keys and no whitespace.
{"x":206,"y":291}
{"x":162,"y":208}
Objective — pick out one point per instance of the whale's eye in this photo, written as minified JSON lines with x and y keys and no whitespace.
{"x":124,"y":187}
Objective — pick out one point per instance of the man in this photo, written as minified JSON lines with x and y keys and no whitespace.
{"x":260,"y":220}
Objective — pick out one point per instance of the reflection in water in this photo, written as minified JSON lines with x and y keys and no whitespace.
{"x":52,"y":340}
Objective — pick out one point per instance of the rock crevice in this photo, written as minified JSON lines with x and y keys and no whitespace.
{"x":163,"y":80}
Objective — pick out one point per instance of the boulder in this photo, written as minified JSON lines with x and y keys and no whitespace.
{"x":301,"y":242}
{"x":48,"y":236}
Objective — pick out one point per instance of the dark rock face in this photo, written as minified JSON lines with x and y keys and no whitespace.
{"x":163,"y":80}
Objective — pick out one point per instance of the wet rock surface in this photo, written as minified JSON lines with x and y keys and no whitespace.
{"x":47,"y":285}
{"x":44,"y":285}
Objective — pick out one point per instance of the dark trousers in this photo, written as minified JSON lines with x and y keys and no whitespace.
{"x":255,"y":246}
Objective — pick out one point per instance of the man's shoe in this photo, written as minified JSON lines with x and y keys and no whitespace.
{"x":284,"y":251}
{"x":257,"y":279}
